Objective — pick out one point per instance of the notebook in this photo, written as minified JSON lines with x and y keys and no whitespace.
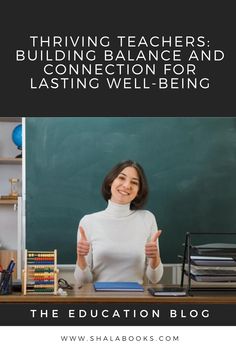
{"x":118,"y":286}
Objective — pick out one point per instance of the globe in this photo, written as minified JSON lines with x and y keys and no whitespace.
{"x":17,"y":136}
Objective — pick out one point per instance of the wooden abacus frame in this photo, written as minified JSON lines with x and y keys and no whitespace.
{"x":45,"y":264}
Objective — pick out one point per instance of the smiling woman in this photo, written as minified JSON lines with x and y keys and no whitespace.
{"x":120,"y":243}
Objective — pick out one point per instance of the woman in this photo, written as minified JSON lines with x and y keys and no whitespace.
{"x":120,"y":243}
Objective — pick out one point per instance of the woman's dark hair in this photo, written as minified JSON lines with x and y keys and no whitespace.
{"x":141,"y":197}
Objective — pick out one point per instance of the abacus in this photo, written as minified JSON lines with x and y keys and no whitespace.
{"x":40,"y":275}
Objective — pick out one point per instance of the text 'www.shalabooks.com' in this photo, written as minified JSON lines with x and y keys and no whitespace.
{"x":119,"y":338}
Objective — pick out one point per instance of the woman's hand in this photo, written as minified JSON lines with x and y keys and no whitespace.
{"x":83,"y":247}
{"x":151,"y":250}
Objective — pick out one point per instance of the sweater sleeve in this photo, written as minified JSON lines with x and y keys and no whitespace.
{"x":153,"y":275}
{"x":83,"y":276}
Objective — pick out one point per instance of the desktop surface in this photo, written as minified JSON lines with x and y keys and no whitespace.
{"x":87,"y":294}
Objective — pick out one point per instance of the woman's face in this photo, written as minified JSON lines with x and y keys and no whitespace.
{"x":125,"y":186}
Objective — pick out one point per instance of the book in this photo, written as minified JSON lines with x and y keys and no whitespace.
{"x":168,"y":291}
{"x":213,"y":275}
{"x":118,"y":286}
{"x":215,"y":249}
{"x":213,"y":261}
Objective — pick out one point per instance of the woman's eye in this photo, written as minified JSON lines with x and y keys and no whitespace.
{"x":135,"y":183}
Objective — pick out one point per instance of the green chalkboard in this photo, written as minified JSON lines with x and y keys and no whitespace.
{"x":190,"y":164}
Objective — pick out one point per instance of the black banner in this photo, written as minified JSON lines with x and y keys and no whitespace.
{"x":83,"y":59}
{"x":117,"y":314}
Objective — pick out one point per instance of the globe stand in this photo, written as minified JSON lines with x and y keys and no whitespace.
{"x":20,"y":155}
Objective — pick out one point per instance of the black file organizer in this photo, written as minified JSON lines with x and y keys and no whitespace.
{"x":208,"y":251}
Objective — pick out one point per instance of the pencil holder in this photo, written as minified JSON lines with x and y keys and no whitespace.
{"x":6,"y":283}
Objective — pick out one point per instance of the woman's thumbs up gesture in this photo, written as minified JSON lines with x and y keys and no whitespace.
{"x":83,"y":244}
{"x":83,"y":247}
{"x":151,"y":250}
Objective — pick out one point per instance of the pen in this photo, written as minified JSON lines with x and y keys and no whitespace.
{"x":10,"y":265}
{"x":11,"y":268}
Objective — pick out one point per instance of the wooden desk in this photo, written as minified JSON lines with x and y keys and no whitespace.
{"x":87,"y":294}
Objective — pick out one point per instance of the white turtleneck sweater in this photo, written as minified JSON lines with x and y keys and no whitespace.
{"x":117,"y":237}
